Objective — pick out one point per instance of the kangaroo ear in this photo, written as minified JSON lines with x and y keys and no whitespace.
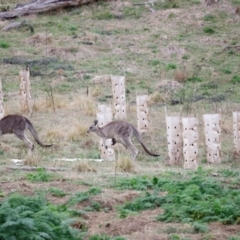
{"x":95,"y":122}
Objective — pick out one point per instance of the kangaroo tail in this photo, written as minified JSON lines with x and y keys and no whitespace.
{"x":138,"y":136}
{"x":34,"y":133}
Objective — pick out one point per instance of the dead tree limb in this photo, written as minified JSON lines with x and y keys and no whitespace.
{"x":16,"y":25}
{"x":40,"y":6}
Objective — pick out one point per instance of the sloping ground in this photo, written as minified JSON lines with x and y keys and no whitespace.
{"x":134,"y":227}
{"x":69,"y":48}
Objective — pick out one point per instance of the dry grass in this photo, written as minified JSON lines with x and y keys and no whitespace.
{"x":49,"y":104}
{"x":40,"y":39}
{"x":95,"y":92}
{"x":156,"y":97}
{"x":77,"y":131}
{"x":180,"y":76}
{"x":124,"y":163}
{"x":87,"y":105}
{"x":54,"y":134}
{"x":33,"y":160}
{"x":84,"y":166}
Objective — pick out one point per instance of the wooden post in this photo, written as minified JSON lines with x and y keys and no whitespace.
{"x":212,"y":130}
{"x":174,"y":138}
{"x":104,"y":116}
{"x":1,"y":101}
{"x":25,"y":94}
{"x":142,"y":113}
{"x":119,"y":98}
{"x":190,"y":142}
{"x":236,"y":131}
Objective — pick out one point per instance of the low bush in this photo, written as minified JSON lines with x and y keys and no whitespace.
{"x":24,"y":217}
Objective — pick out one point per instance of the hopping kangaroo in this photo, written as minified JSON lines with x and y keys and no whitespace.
{"x":17,"y":125}
{"x":120,"y":132}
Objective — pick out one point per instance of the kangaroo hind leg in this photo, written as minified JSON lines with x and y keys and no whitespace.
{"x":21,"y":135}
{"x":129,"y":145}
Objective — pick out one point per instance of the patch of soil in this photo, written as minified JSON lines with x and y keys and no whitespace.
{"x":110,"y":198}
{"x":27,"y":188}
{"x":222,"y":232}
{"x":112,"y":225}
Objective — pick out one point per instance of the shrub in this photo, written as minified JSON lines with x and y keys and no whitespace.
{"x":190,"y":200}
{"x":83,"y":196}
{"x":235,"y":79}
{"x":200,"y":227}
{"x":40,"y":176}
{"x":56,"y":192}
{"x":23,"y":217}
{"x":171,"y":66}
{"x":208,"y":30}
{"x":194,"y":79}
{"x":4,"y":45}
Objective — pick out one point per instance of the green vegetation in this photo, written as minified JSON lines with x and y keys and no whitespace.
{"x":83,"y":196}
{"x":56,"y":192}
{"x":41,"y":175}
{"x":209,"y":30}
{"x":24,"y":217}
{"x":105,"y":237}
{"x":185,"y":57}
{"x":194,"y":199}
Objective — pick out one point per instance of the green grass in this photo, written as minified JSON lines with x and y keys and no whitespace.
{"x":41,"y":175}
{"x":56,"y":192}
{"x":4,"y":44}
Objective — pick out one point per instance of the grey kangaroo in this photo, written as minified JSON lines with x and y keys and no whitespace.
{"x":120,"y":132}
{"x":17,"y":125}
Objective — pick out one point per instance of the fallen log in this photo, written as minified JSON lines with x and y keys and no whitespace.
{"x":16,"y":25}
{"x":40,"y":6}
{"x":26,"y":168}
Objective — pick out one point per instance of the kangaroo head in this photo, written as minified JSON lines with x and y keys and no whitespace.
{"x":93,"y":127}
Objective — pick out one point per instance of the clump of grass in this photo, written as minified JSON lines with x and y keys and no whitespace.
{"x":40,"y":39}
{"x":103,"y":15}
{"x":194,"y":79}
{"x":50,"y":103}
{"x":4,"y":44}
{"x":180,"y":76}
{"x":54,"y":133}
{"x":86,"y":104}
{"x":125,"y":164}
{"x":56,"y":192}
{"x":105,"y":237}
{"x":148,"y":201}
{"x":156,"y":97}
{"x":84,"y":166}
{"x":33,"y":160}
{"x":77,"y":131}
{"x":83,"y":196}
{"x":96,"y":92}
{"x":171,"y":66}
{"x":200,"y":227}
{"x":209,"y":30}
{"x":41,"y":175}
{"x":235,"y":79}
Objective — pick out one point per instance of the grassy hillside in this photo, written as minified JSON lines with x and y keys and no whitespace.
{"x":185,"y":56}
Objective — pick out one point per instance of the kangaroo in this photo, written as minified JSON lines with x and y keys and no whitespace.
{"x":120,"y":132}
{"x":17,"y":125}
